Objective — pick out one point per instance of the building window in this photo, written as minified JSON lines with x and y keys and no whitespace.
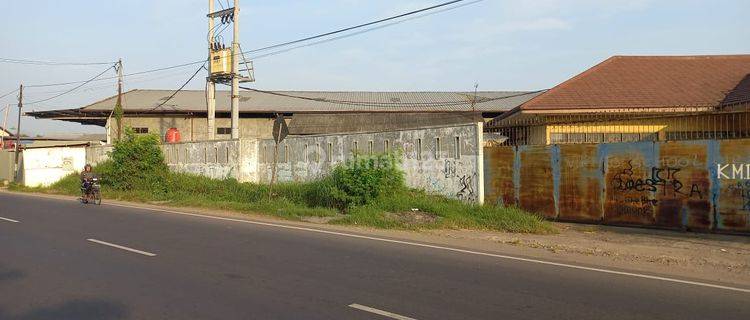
{"x":317,"y":152}
{"x":370,"y":147}
{"x":355,"y":148}
{"x":140,"y":130}
{"x":386,"y":146}
{"x":418,"y":150}
{"x":205,"y":155}
{"x":304,"y":151}
{"x":187,"y":156}
{"x":329,"y":154}
{"x":285,"y":154}
{"x":216,"y":154}
{"x":223,"y":130}
{"x":457,"y":150}
{"x":437,"y":148}
{"x":227,"y":154}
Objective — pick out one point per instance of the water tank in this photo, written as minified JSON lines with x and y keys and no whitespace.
{"x":173,"y":135}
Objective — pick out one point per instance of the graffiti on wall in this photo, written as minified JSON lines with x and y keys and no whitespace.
{"x":742,"y":189}
{"x":642,"y":193}
{"x":660,"y":179}
{"x":467,"y":192}
{"x":449,"y":170}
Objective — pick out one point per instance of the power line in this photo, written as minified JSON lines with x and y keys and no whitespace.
{"x":273,"y":53}
{"x":51,"y":63}
{"x":9,"y":93}
{"x":393,"y":104}
{"x":283,"y":44}
{"x":180,"y":89}
{"x":115,"y":77}
{"x":355,"y":27}
{"x":73,"y":89}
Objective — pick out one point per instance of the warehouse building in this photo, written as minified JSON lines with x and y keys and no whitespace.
{"x":311,"y":112}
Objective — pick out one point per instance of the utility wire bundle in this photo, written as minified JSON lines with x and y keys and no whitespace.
{"x":262,"y":52}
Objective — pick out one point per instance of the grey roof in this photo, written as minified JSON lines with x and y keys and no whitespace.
{"x":310,"y":123}
{"x":319,"y":101}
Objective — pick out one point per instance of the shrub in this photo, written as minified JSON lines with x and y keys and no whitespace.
{"x":136,"y":162}
{"x":362,"y":180}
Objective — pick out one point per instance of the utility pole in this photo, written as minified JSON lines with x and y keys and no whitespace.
{"x":18,"y":134}
{"x":225,"y":66}
{"x":118,"y":106}
{"x":210,"y":85}
{"x":474,"y":100}
{"x":236,"y":72}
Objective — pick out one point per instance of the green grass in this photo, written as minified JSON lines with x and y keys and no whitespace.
{"x":295,"y":201}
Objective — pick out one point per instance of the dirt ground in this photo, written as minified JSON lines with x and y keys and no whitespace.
{"x":723,"y":259}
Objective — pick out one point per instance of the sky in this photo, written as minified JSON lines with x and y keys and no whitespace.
{"x":498,"y":44}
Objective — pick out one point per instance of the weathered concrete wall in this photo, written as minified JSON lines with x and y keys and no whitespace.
{"x":97,"y":154}
{"x":674,"y":185}
{"x":215,"y":159}
{"x":195,"y":129}
{"x":442,"y":160}
{"x":7,"y":161}
{"x":45,"y":166}
{"x":223,"y":159}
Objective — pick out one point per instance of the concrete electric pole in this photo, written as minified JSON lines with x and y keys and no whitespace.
{"x":118,"y":106}
{"x":236,"y":72}
{"x":17,"y":175}
{"x":224,"y":65}
{"x":210,"y":85}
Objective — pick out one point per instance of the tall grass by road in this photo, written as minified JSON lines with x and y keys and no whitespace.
{"x":367,"y":192}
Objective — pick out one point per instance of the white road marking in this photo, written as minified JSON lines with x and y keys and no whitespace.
{"x":380,"y":312}
{"x":9,"y":220}
{"x":122,"y":247}
{"x":423,"y":245}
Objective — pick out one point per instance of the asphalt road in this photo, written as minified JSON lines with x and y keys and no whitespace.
{"x":61,"y":260}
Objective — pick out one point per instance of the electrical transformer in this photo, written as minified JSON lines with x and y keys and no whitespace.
{"x":221,"y":62}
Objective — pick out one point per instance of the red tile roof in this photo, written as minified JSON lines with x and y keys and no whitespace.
{"x":652,"y":82}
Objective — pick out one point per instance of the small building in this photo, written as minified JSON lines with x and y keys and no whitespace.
{"x":146,"y":111}
{"x":636,"y":98}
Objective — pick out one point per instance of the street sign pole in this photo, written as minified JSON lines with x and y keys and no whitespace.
{"x":280,"y":131}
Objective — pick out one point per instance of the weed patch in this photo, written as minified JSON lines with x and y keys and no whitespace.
{"x":368,"y":191}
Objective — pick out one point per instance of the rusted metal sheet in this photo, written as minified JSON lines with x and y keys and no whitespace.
{"x":671,"y":185}
{"x":498,"y":165}
{"x":580,"y":183}
{"x":682,"y":185}
{"x":629,"y":199}
{"x":733,"y":207}
{"x":536,"y":189}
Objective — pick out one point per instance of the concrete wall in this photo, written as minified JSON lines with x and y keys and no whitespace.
{"x":195,"y":129}
{"x":674,"y":185}
{"x":225,"y":159}
{"x":7,"y":160}
{"x":45,"y":166}
{"x":97,"y":154}
{"x":440,"y":170}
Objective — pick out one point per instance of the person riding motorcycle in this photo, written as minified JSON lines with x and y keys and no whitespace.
{"x":87,"y":175}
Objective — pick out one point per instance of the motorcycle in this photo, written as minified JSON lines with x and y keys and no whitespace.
{"x":91,"y":192}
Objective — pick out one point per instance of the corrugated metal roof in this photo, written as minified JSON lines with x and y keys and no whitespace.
{"x":318,"y":101}
{"x":306,"y":124}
